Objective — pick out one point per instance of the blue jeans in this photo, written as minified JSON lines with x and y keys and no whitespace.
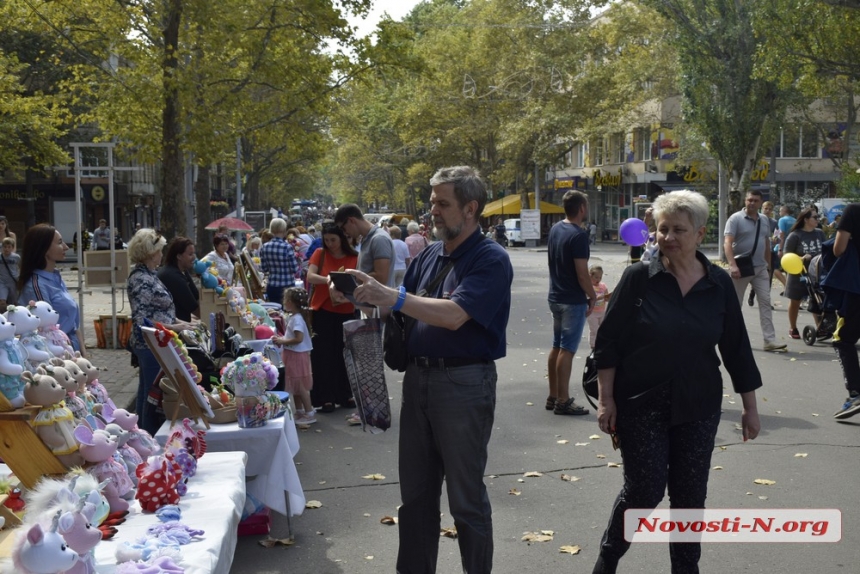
{"x":149,"y":369}
{"x":445,"y":424}
{"x":568,"y":321}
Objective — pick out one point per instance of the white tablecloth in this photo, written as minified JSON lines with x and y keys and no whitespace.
{"x":216,"y":495}
{"x":270,"y":451}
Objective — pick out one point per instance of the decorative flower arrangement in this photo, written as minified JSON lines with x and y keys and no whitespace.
{"x":250,"y":375}
{"x":216,"y":203}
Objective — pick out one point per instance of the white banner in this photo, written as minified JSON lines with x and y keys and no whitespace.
{"x":733,"y":525}
{"x":530,"y":224}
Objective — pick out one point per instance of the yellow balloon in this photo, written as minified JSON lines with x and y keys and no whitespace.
{"x":792,"y":263}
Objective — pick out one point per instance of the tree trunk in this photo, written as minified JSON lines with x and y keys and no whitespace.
{"x":204,"y":210}
{"x":173,"y":175}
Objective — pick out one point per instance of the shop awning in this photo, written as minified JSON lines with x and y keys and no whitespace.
{"x":510,"y":205}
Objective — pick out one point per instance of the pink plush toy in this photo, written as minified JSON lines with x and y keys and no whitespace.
{"x":53,"y":423}
{"x":194,"y":440}
{"x":98,"y":448}
{"x":130,"y":457}
{"x":43,"y":552}
{"x":55,"y":369}
{"x":81,"y":536}
{"x":157,"y":480}
{"x":56,"y":340}
{"x":94,"y":387}
{"x":139,"y":439}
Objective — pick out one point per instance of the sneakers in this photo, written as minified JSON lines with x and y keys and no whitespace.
{"x":751,"y":298}
{"x":794,"y":333}
{"x":306,"y":419}
{"x":353,"y":420}
{"x":550,"y":403}
{"x":775,"y":347}
{"x":568,"y":408}
{"x":849,"y":409}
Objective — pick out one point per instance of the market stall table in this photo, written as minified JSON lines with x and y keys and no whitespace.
{"x":270,"y":451}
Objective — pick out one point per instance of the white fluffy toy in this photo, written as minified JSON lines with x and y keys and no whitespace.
{"x":49,"y":327}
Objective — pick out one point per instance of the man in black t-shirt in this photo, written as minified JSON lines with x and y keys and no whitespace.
{"x":848,"y":333}
{"x":501,"y":238}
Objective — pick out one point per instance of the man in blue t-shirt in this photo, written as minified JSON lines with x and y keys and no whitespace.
{"x":784,"y":223}
{"x":571,"y":299}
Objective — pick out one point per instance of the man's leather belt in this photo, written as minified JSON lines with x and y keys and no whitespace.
{"x":444,"y":363}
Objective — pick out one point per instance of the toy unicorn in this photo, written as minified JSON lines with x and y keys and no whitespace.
{"x":75,"y":528}
{"x":12,"y":364}
{"x":26,"y":328}
{"x":49,"y":327}
{"x":54,"y":423}
{"x":98,"y":447}
{"x":43,"y":552}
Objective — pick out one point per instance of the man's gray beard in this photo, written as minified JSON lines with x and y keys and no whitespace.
{"x":447,"y":233}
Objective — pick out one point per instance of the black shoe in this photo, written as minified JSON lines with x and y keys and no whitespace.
{"x":568,"y":408}
{"x":752,"y":297}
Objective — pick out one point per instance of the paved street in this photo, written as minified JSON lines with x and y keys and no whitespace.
{"x":802,"y":390}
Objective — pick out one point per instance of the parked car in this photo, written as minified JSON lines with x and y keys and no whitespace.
{"x":513,"y":232}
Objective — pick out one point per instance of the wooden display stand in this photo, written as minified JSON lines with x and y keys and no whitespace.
{"x":211,"y":302}
{"x":252,"y":281}
{"x":22,"y":449}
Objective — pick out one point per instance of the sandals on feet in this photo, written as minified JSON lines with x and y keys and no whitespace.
{"x":550,"y":403}
{"x":569,"y":408}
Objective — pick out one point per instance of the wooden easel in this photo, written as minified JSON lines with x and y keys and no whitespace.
{"x":253,"y":282}
{"x":22,"y":449}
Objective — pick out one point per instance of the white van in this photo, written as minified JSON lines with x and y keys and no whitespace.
{"x":513,"y":233}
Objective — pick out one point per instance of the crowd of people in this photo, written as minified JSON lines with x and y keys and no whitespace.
{"x":660,"y":395}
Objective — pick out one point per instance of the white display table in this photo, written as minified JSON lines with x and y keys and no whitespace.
{"x":270,"y":451}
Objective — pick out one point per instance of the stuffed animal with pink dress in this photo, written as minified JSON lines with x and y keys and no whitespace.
{"x":140,"y":440}
{"x":80,"y":378}
{"x":12,"y":365}
{"x":53,"y":423}
{"x":42,"y":551}
{"x":98,"y":448}
{"x":94,"y":387}
{"x":56,"y":339}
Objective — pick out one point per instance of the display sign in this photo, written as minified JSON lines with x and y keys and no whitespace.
{"x":530,"y":224}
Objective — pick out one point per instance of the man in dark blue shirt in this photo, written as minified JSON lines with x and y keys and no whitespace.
{"x":571,"y":299}
{"x":449,"y":390}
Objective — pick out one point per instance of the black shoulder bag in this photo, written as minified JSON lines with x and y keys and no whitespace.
{"x":398,"y":326}
{"x":744,"y":261}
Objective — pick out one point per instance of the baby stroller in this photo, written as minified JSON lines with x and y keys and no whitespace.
{"x":818,"y":303}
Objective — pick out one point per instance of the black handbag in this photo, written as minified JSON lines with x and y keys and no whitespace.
{"x":744,"y":262}
{"x":395,"y":338}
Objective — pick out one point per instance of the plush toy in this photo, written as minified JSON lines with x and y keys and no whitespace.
{"x":159,"y":565}
{"x":193,"y":440}
{"x":53,"y":423}
{"x":157,"y":480}
{"x":54,"y":368}
{"x":139,"y":439}
{"x":80,"y":378}
{"x":98,"y":448}
{"x":76,"y":529}
{"x":49,"y":327}
{"x":12,"y":364}
{"x":128,"y":456}
{"x":94,"y":387}
{"x":208,"y":275}
{"x":26,"y":328}
{"x":40,"y":551}
{"x":176,"y":452}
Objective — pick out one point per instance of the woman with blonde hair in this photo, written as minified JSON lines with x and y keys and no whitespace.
{"x":150,"y":301}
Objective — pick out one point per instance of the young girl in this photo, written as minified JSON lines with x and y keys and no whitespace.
{"x":296,"y":354}
{"x":602,"y":293}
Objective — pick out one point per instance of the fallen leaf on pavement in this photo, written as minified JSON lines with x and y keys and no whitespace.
{"x":563,"y":441}
{"x":368,"y":557}
{"x":801,"y":455}
{"x":530,"y":404}
{"x":366,"y":515}
{"x":533,"y":474}
{"x":582,"y":444}
{"x":601,"y":456}
{"x":572,"y":550}
{"x":595,"y":437}
{"x":569,"y":478}
{"x":613,"y":465}
{"x":764,"y":481}
{"x":514,"y":492}
{"x":389,"y":520}
{"x":718,"y":468}
{"x":270,"y":542}
{"x":537,"y":536}
{"x":449,"y":532}
{"x":313,"y":504}
{"x":374,"y":476}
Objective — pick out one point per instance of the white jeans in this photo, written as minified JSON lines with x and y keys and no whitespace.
{"x":761,"y":285}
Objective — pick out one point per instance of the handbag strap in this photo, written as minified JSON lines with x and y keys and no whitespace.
{"x":436,"y":280}
{"x":755,"y":241}
{"x":7,"y":266}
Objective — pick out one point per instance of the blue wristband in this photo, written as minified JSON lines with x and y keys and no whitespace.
{"x":401,"y":298}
